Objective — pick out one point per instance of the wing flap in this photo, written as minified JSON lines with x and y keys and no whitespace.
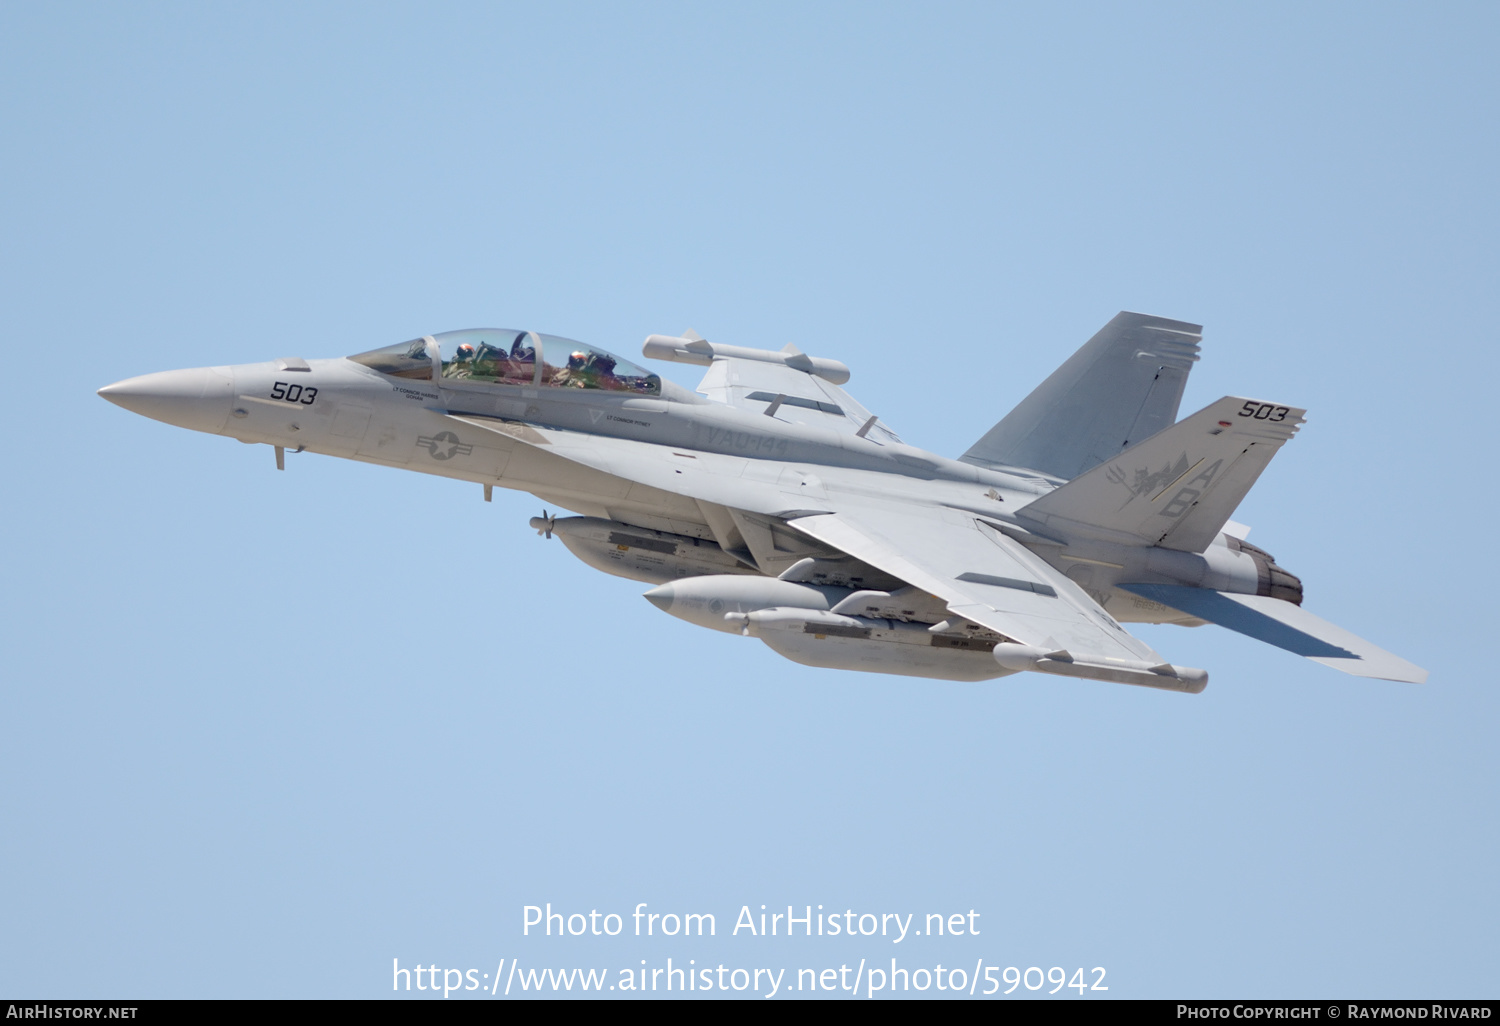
{"x":1286,"y":626}
{"x":981,"y":575}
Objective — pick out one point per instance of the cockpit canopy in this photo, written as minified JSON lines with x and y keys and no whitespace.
{"x":506,"y":356}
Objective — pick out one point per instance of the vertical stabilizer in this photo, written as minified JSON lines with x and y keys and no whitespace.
{"x":1178,"y":488}
{"x":1121,"y":388}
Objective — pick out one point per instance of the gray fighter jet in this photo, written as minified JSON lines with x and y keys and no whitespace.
{"x":771,"y":504}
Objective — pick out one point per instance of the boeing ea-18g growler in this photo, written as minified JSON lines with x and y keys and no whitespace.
{"x":771,"y":504}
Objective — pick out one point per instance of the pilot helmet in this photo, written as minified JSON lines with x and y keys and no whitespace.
{"x":577,"y":360}
{"x":465,"y":352}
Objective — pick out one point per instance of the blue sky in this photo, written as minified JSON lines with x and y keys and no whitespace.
{"x":265,"y":732}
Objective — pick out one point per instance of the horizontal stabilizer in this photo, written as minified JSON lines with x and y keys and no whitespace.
{"x":1178,"y":488}
{"x":1284,"y":625}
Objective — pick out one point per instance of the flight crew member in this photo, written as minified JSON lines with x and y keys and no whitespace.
{"x":462,"y":364}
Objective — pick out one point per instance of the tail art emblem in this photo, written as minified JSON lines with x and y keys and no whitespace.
{"x":1145,"y":484}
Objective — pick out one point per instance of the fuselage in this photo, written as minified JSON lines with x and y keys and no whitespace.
{"x":346,"y":408}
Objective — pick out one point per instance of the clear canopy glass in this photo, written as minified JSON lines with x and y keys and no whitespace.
{"x":507,"y":356}
{"x":407,"y":360}
{"x":511,"y":357}
{"x":502,"y":355}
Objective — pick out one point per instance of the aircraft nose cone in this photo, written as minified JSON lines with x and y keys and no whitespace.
{"x":198,"y":399}
{"x":661,"y":597}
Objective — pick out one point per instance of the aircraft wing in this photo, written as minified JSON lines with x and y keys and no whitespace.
{"x":788,"y":385}
{"x":982,"y":576}
{"x":805,"y":398}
